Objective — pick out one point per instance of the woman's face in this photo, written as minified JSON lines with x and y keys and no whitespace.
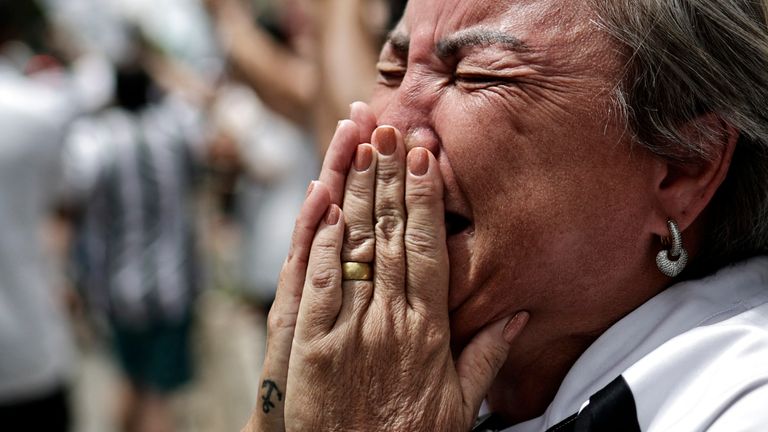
{"x":548,"y":208}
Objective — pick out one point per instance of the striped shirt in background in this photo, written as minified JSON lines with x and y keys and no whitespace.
{"x":135,"y":175}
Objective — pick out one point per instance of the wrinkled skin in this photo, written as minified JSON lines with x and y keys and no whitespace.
{"x":560,"y":216}
{"x":530,"y":154}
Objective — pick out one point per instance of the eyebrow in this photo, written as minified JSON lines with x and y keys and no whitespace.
{"x":400,"y":43}
{"x":449,"y":46}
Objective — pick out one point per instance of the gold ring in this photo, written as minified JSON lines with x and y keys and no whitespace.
{"x":352,"y":270}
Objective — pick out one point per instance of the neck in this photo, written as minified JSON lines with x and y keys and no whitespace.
{"x":556,"y":337}
{"x":524,"y":390}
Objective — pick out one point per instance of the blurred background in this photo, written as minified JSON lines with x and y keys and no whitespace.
{"x":153,"y":156}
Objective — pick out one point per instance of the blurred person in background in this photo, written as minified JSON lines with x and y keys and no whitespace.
{"x":276,"y":160}
{"x":305,"y":64}
{"x":36,"y":351}
{"x":134,"y":170}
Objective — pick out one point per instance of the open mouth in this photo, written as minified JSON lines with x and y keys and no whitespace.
{"x":456,"y":223}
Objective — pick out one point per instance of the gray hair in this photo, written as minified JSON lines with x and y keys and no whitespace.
{"x":687,"y":58}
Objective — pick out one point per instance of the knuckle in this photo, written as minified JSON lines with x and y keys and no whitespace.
{"x":357,"y":190}
{"x":421,"y":194}
{"x":388,"y":174}
{"x":326,"y":278}
{"x":435,"y":337}
{"x":493,"y":357}
{"x":324,"y":244}
{"x":421,"y":238}
{"x":488,"y":359}
{"x":358,"y":238}
{"x":389,"y":225}
{"x":277,"y":321}
{"x":297,"y":259}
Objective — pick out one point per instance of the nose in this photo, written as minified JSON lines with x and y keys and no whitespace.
{"x":421,"y":136}
{"x":411,"y":109}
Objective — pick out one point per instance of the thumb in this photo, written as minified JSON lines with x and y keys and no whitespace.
{"x":482,"y":359}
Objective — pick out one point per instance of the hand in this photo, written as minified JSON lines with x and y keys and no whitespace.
{"x":269,"y":412}
{"x":375,"y":355}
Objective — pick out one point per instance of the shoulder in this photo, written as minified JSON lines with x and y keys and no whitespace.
{"x":706,"y":375}
{"x":27,"y":104}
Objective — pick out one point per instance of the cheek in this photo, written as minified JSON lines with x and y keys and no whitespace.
{"x":545,"y":257}
{"x":483,"y":136}
{"x":544,"y":201}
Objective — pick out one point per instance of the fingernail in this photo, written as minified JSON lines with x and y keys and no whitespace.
{"x":386,"y":140}
{"x":418,"y":161}
{"x":363,"y":157}
{"x":514,"y":326}
{"x":310,"y":188}
{"x":338,"y":124}
{"x":332,"y":217}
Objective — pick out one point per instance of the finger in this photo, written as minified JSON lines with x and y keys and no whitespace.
{"x":425,"y":247}
{"x":361,"y":114}
{"x":338,"y":159}
{"x":482,"y":359}
{"x":358,"y":207}
{"x":281,"y":321}
{"x":389,"y":210}
{"x":321,"y":298}
{"x":282,"y":315}
{"x":359,"y":240}
{"x":348,"y":135}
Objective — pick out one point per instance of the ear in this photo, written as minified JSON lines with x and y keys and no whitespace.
{"x":685,"y":189}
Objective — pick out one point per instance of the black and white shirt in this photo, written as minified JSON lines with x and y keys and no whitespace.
{"x":136,"y":174}
{"x":693,"y":358}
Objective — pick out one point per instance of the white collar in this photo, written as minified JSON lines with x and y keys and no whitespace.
{"x":674,"y":311}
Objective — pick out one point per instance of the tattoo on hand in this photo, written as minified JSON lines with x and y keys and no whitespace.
{"x":271,"y":386}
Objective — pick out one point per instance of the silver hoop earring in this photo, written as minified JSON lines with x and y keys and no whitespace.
{"x":672,"y":261}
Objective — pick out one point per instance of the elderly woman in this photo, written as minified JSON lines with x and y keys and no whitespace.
{"x":558,"y":221}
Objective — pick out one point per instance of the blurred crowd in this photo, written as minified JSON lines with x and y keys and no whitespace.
{"x":153,"y":155}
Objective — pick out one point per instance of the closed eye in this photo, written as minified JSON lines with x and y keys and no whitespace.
{"x":390,"y":74}
{"x":471,"y":77}
{"x":475,"y":81}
